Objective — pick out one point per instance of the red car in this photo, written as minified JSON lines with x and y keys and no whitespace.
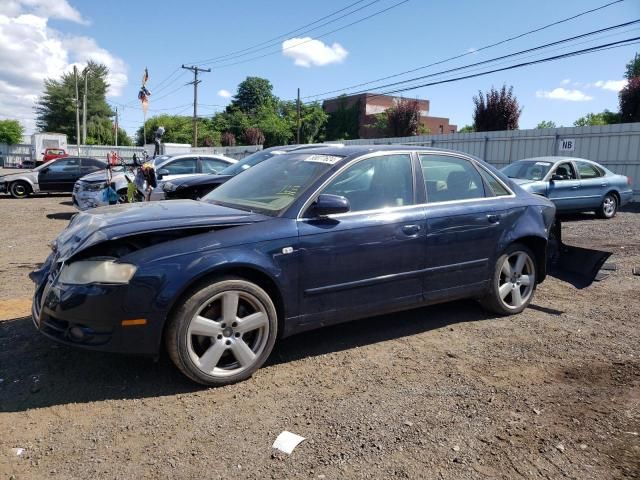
{"x":53,"y":153}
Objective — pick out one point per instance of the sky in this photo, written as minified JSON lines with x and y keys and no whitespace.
{"x":43,"y":38}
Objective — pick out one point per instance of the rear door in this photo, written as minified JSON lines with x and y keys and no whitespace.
{"x":59,"y":175}
{"x":465,"y":218}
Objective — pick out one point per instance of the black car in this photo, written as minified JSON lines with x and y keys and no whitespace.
{"x":56,"y":176}
{"x":194,"y":187}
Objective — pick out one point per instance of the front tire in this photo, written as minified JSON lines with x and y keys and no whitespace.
{"x":223,"y":332}
{"x":20,"y":189}
{"x":609,"y":206}
{"x":513,"y":282}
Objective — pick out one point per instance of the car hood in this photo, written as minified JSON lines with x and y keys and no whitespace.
{"x":101,"y":175}
{"x":119,"y":221}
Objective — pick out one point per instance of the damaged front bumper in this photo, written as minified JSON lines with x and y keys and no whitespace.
{"x":93,"y":316}
{"x":575,"y":265}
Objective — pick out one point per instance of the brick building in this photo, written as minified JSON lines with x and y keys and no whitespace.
{"x":372,"y":104}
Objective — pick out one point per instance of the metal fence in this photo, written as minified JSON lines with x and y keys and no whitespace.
{"x":13,"y":156}
{"x":615,"y":146}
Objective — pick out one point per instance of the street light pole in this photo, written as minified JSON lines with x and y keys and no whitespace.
{"x":84,"y":108}
{"x":75,"y":74}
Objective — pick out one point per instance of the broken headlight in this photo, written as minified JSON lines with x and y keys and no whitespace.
{"x":84,"y":272}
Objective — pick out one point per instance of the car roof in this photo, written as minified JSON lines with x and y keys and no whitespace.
{"x":553,"y":159}
{"x":355,"y":150}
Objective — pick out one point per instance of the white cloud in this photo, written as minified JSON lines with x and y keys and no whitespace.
{"x":613,"y":85}
{"x":566,"y":81}
{"x":306,"y":52}
{"x":58,"y":9}
{"x":224,"y":93}
{"x":564,"y":94}
{"x":31,"y":51}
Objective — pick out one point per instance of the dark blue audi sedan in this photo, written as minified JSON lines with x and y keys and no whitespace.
{"x":302,"y":240}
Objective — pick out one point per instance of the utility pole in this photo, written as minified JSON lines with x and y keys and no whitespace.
{"x":117,"y":126}
{"x":195,"y":83}
{"x":298,"y":109}
{"x":84,"y":108}
{"x":75,"y":74}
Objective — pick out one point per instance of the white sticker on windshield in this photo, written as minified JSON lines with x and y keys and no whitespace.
{"x":544,"y":164}
{"x":329,"y":159}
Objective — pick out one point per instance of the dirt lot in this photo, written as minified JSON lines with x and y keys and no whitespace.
{"x":442,"y":392}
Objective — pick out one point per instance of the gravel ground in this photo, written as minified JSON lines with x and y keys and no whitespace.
{"x":443,"y":392}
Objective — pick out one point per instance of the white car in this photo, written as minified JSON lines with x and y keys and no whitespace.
{"x":88,"y":192}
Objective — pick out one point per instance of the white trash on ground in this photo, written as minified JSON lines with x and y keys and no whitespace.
{"x":287,"y":441}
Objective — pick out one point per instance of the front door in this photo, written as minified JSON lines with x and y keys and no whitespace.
{"x":59,"y":175}
{"x":465,"y":218}
{"x":565,"y":190}
{"x":370,"y":259}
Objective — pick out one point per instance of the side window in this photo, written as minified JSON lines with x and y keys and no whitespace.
{"x":450,"y":178}
{"x":213,"y":165}
{"x":181,"y":166}
{"x":587,"y":170}
{"x":67,"y":165}
{"x":566,"y":171}
{"x":496,"y":187}
{"x":376,"y":183}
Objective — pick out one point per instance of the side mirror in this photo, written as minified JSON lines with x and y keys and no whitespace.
{"x":328,"y":204}
{"x":44,"y":170}
{"x":161,"y":173}
{"x":556,"y":177}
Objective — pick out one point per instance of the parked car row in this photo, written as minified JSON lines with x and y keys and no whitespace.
{"x":300,"y":239}
{"x":573,"y":184}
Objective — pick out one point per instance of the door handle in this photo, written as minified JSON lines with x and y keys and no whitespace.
{"x":575,"y":187}
{"x":410,"y":229}
{"x":604,"y":184}
{"x":493,"y":218}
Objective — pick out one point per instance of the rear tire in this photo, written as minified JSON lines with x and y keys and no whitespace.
{"x":609,"y":206}
{"x":20,"y":189}
{"x":223,"y":332}
{"x":513,"y":282}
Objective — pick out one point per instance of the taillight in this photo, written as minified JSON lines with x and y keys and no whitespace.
{"x":629,"y":181}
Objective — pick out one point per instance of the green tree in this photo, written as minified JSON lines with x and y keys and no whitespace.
{"x":496,"y":110}
{"x":313,"y":120}
{"x":467,"y":129}
{"x":630,"y":101}
{"x":343,"y":123}
{"x":11,"y":131}
{"x":101,"y":131}
{"x":546,"y":124}
{"x":632,"y":68}
{"x":254,"y":93}
{"x":55,"y":109}
{"x":605,"y":117}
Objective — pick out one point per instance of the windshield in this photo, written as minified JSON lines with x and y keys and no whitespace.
{"x":271,"y":186}
{"x":248,"y":162}
{"x":527,"y":169}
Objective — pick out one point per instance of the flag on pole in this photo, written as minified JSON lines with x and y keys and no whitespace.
{"x":144,"y":93}
{"x":145,"y":77}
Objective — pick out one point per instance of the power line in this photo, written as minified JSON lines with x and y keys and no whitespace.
{"x":195,"y":83}
{"x":607,"y":46}
{"x":309,"y":40}
{"x":296,"y":31}
{"x":486,"y":47}
{"x":491,"y":60}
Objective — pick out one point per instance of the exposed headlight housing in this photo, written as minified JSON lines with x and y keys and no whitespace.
{"x":84,"y":272}
{"x":169,"y":187}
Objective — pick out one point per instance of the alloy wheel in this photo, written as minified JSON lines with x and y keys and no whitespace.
{"x":609,"y":206}
{"x":228,"y":333}
{"x":517,"y":280}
